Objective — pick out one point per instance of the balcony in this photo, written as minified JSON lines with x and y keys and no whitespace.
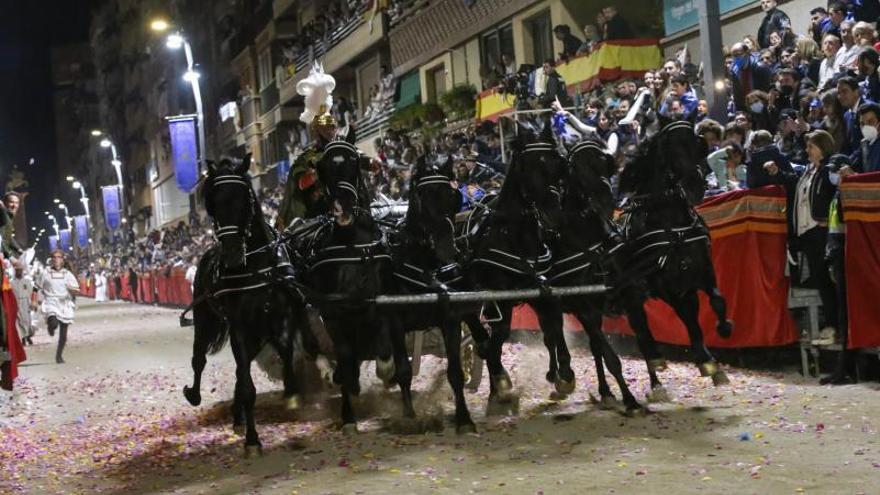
{"x":269,"y":98}
{"x":345,"y":43}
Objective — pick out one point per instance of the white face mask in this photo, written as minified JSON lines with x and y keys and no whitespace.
{"x":757,"y":107}
{"x":869,"y":132}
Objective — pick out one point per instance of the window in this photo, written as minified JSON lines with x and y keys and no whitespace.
{"x":540,"y":30}
{"x":436,"y":83}
{"x":495,"y":43}
{"x":265,"y":69}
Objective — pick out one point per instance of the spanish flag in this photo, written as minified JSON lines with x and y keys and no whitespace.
{"x":612,"y":60}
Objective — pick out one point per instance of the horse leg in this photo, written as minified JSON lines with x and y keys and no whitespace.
{"x":200,"y":351}
{"x":500,"y":386}
{"x":605,"y":395}
{"x":455,"y":376}
{"x":284,"y":347}
{"x":724,"y":327}
{"x":592,"y":323}
{"x":346,"y":374}
{"x":403,"y":368}
{"x":687,"y":307}
{"x":638,"y":321}
{"x":246,"y":396}
{"x":550,"y":318}
{"x":479,"y":333}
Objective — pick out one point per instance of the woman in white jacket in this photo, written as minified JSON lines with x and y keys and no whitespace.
{"x":59,"y":288}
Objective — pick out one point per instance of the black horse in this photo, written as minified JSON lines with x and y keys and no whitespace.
{"x":426,"y":260}
{"x":510,"y":250}
{"x":587,"y":238}
{"x":242,"y":291}
{"x":667,"y":244}
{"x":346,"y":255}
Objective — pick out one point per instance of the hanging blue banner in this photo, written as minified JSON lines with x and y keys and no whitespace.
{"x":65,"y":239}
{"x":283,"y":168}
{"x":184,"y":153}
{"x":81,"y":224}
{"x":53,"y":242}
{"x":111,"y":206}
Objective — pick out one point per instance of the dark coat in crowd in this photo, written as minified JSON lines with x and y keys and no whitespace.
{"x":774,"y":20}
{"x":618,"y":29}
{"x":756,"y":176}
{"x":555,"y":89}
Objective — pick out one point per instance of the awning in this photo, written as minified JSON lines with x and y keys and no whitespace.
{"x":410,"y":90}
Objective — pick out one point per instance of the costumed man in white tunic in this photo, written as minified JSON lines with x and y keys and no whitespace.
{"x":23,"y":288}
{"x":101,"y":286}
{"x":59,"y":288}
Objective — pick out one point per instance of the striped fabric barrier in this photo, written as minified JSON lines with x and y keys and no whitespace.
{"x":748,"y":231}
{"x":860,"y":198}
{"x":611,"y":61}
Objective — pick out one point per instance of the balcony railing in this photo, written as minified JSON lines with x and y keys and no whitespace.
{"x":320,"y":47}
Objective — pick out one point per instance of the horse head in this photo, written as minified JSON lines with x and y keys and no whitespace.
{"x":537,"y":171}
{"x":669,"y":160}
{"x":339,"y":170}
{"x":590,"y":169}
{"x":230,"y":201}
{"x":434,"y":200}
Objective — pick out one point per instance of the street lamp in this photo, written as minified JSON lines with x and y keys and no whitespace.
{"x":54,"y":224}
{"x":62,"y":206}
{"x":69,"y":178}
{"x":176,"y":41}
{"x":96,"y":132}
{"x":85,"y":199}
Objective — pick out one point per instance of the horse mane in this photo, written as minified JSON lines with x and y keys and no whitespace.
{"x":641,"y":167}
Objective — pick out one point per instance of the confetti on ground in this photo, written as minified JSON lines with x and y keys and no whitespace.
{"x":113,"y":420}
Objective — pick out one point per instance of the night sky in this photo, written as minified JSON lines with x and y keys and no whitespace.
{"x":28,"y":29}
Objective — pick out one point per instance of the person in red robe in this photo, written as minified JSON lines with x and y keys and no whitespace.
{"x":9,"y":340}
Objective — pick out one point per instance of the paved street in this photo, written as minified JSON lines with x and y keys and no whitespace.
{"x":113,"y":420}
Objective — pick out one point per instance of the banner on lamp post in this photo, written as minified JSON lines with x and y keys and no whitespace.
{"x":81,"y":224}
{"x":65,"y":239}
{"x":110,"y":194}
{"x":184,"y":151}
{"x":53,"y":242}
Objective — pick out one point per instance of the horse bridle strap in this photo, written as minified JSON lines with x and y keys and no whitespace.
{"x":430,"y":180}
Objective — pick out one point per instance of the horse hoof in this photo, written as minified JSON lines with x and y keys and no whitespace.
{"x":709,"y":368}
{"x":564,"y":387}
{"x":608,"y":402}
{"x":465,"y":428}
{"x":350,"y":429}
{"x":658,"y":364}
{"x":635,"y":410}
{"x":385,"y":369}
{"x":253,"y":451}
{"x":238,"y":429}
{"x":720,"y":378}
{"x":724,"y":328}
{"x":192,"y":396}
{"x":657,"y":395}
{"x":503,"y":387}
{"x":292,"y":403}
{"x":508,"y":407}
{"x":557,"y":397}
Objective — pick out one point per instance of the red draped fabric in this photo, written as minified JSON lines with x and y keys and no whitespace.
{"x":16,"y":350}
{"x":860,"y":197}
{"x":748,"y":233}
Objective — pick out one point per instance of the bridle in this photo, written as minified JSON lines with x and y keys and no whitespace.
{"x":531,"y":209}
{"x":244,"y":231}
{"x":344,"y":185}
